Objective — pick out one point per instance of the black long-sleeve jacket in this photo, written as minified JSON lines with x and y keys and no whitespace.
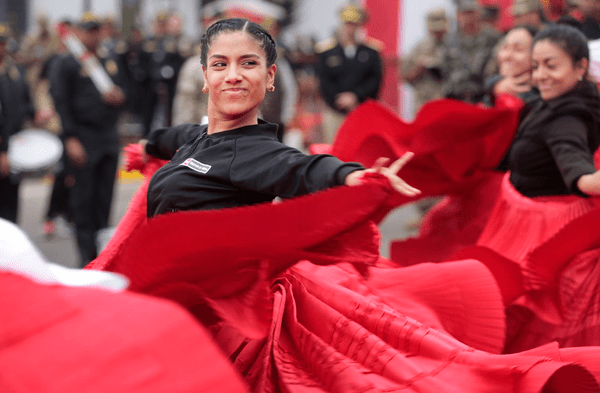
{"x":15,"y":103}
{"x":82,"y":111}
{"x":239,"y":167}
{"x":555,"y":143}
{"x":361,"y":74}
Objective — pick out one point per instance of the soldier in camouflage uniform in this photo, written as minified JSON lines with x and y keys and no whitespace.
{"x":468,"y":54}
{"x":422,"y":66}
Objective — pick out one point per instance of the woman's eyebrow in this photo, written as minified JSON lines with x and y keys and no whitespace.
{"x":219,"y":56}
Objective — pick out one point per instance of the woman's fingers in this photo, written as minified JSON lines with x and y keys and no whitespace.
{"x":380,"y":163}
{"x":400,"y":162}
{"x":403,"y":187}
{"x":391,"y":173}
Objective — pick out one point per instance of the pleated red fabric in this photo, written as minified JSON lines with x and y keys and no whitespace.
{"x":556,"y":244}
{"x":346,"y":321}
{"x":55,"y":338}
{"x":450,"y":225}
{"x":519,"y":224}
{"x":456,"y":146}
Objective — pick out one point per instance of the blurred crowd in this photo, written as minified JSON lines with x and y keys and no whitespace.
{"x":465,"y":63}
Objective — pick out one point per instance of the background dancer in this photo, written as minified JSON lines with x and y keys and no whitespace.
{"x":552,"y":173}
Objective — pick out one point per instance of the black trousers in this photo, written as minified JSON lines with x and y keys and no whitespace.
{"x":91,"y":199}
{"x":59,"y":198}
{"x":9,"y":197}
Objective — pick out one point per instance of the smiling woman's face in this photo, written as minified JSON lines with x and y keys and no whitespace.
{"x":237,"y":76}
{"x":514,"y":56}
{"x":554,"y":73}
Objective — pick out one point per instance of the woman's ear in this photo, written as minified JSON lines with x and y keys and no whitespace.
{"x":582,"y":67}
{"x":271,"y":71}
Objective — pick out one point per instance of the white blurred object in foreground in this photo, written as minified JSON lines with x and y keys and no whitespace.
{"x":19,"y":255}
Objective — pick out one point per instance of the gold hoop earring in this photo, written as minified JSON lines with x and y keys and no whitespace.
{"x":271,"y":88}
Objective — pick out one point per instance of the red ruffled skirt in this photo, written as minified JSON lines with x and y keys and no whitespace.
{"x":554,"y":241}
{"x":290,"y":325}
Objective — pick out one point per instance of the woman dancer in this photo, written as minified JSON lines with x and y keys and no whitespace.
{"x":236,"y":159}
{"x":514,"y":62}
{"x":552,"y":175}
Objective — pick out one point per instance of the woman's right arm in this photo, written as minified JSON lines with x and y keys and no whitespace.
{"x":163,"y":143}
{"x":590,"y":184}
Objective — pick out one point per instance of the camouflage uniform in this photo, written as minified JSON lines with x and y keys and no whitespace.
{"x":465,"y":62}
{"x":430,"y":84}
{"x":428,"y":53}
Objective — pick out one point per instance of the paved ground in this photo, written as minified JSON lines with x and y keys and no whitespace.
{"x":35,"y":193}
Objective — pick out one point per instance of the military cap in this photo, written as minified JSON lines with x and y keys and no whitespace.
{"x":522,"y":7}
{"x":89,"y":21}
{"x":5,"y":32}
{"x":467,"y":5}
{"x":437,"y":20}
{"x":353,"y":13}
{"x":162,"y":16}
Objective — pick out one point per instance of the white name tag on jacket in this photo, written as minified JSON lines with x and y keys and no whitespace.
{"x":196,"y":165}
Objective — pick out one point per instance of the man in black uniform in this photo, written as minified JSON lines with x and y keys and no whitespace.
{"x":89,"y":121}
{"x":350,"y":71}
{"x":163,"y":60}
{"x":15,"y":108}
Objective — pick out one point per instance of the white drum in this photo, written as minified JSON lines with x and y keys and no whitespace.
{"x":33,"y":152}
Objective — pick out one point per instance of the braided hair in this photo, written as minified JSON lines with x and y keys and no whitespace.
{"x":238,"y":24}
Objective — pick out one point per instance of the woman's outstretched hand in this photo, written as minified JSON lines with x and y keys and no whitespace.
{"x":354,"y":178}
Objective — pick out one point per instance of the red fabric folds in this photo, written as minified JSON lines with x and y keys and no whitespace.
{"x":55,"y":338}
{"x":301,"y":327}
{"x":250,"y":245}
{"x":456,"y":146}
{"x":556,"y":245}
{"x":450,"y":153}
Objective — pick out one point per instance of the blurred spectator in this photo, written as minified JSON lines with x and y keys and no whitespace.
{"x":162,"y":59}
{"x":35,"y":51}
{"x":133,"y":60}
{"x":570,"y":20}
{"x":302,"y":55}
{"x":89,"y":120}
{"x":58,"y":204}
{"x":467,"y":54}
{"x":15,"y":109}
{"x":528,"y":12}
{"x":422,"y":66}
{"x":350,"y":69}
{"x":190,"y":104}
{"x":308,"y":119}
{"x":591,"y":18}
{"x":574,"y":9}
{"x":109,"y":36}
{"x":279,"y":106}
{"x":490,"y":17}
